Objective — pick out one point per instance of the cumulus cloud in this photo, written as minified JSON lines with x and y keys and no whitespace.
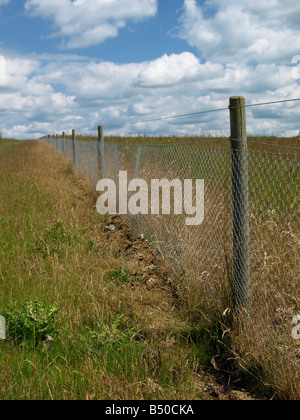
{"x":83,"y":23}
{"x":175,"y":69}
{"x":244,"y":48}
{"x":225,"y":31}
{"x":25,"y":99}
{"x":50,"y":95}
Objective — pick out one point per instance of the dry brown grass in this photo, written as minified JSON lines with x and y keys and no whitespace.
{"x":203,"y":255}
{"x":174,"y":312}
{"x":158,"y":362}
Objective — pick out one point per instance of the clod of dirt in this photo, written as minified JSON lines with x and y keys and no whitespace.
{"x":217,"y":390}
{"x":239,"y":396}
{"x":152,"y":283}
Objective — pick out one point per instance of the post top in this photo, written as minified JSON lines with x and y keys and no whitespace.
{"x":237,"y":102}
{"x":236,"y":98}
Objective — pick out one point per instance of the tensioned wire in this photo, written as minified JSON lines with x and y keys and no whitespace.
{"x":208,"y":112}
{"x":212,"y":111}
{"x":264,"y":144}
{"x":200,"y":113}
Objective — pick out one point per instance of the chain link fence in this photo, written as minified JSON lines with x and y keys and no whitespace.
{"x":261,"y":224}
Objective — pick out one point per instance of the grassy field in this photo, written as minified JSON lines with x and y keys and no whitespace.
{"x":258,"y":143}
{"x":106,"y":300}
{"x":204,"y":254}
{"x":7,"y":144}
{"x":122,"y":324}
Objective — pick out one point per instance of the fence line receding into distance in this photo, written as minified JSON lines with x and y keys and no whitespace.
{"x":250,"y":232}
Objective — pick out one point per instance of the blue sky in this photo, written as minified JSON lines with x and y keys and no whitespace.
{"x":142,"y":40}
{"x":77,"y":64}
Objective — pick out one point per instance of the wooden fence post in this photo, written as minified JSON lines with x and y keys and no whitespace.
{"x":101,"y":158}
{"x":137,"y":162}
{"x":74,"y":145}
{"x":240,"y":195}
{"x":63,"y":143}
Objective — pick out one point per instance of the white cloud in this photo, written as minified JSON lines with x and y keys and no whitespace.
{"x":82,"y":23}
{"x":175,"y":69}
{"x":225,"y":31}
{"x":25,"y":99}
{"x":47,"y":94}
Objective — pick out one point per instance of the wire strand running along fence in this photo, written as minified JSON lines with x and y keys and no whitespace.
{"x":250,"y":231}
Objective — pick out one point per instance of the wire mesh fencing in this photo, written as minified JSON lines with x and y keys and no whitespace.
{"x":273,"y":184}
{"x":227,"y":218}
{"x":266,"y":289}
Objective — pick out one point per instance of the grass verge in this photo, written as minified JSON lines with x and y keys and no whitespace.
{"x":91,"y":312}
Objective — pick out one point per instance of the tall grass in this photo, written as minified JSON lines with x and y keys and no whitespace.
{"x":114,"y":337}
{"x":121,"y":329}
{"x":7,"y":144}
{"x":203,"y":256}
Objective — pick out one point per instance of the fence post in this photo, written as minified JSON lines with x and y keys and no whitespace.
{"x":63,"y":143}
{"x":101,"y":160}
{"x":137,"y":162}
{"x":240,"y":195}
{"x":117,"y":165}
{"x":74,"y":146}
